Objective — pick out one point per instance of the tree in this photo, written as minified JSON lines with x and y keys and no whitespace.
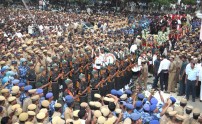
{"x":167,"y":2}
{"x":163,"y":2}
{"x":189,"y":2}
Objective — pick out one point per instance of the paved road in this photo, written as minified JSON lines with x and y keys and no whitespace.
{"x":197,"y":102}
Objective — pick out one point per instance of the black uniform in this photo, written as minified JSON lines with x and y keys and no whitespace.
{"x":55,"y":85}
{"x":31,"y":77}
{"x":43,"y":79}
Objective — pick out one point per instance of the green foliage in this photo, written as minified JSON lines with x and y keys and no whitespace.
{"x":189,"y":1}
{"x":167,"y":2}
{"x":162,"y":2}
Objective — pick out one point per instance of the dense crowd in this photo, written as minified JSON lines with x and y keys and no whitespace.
{"x":81,"y":67}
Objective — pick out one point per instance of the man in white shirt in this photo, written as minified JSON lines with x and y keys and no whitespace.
{"x":163,"y":72}
{"x":133,"y":48}
{"x":30,"y":29}
{"x":188,"y":67}
{"x":191,"y":81}
{"x":18,"y":34}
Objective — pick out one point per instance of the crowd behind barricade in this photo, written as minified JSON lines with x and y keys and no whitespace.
{"x":51,"y":61}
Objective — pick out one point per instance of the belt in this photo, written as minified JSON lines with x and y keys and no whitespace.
{"x":54,"y":82}
{"x":164,"y":71}
{"x":191,"y":80}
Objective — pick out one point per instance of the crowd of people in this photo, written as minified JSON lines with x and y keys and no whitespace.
{"x":78,"y":67}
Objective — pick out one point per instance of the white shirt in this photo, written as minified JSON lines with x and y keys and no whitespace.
{"x":136,"y":68}
{"x":98,"y":63}
{"x":41,"y":28}
{"x":192,"y":74}
{"x":30,"y":29}
{"x":200,"y":73}
{"x":76,"y":25}
{"x":164,"y":65}
{"x":188,"y":67}
{"x":139,"y":61}
{"x":179,"y":22}
{"x":59,"y":33}
{"x":133,"y":48}
{"x":154,"y":58}
{"x":89,"y":11}
{"x":19,"y":35}
{"x":83,"y":121}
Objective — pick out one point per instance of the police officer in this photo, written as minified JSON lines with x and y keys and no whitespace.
{"x":68,"y":108}
{"x":40,"y":92}
{"x":145,"y":114}
{"x":50,"y":97}
{"x":22,"y":70}
{"x":75,"y":73}
{"x":14,"y":66}
{"x":129,"y":110}
{"x":31,"y":75}
{"x":16,"y":92}
{"x":22,"y":92}
{"x":94,"y":79}
{"x":82,"y":85}
{"x":69,"y":90}
{"x":65,"y":69}
{"x":27,"y":100}
{"x":196,"y":114}
{"x":43,"y":81}
{"x":57,"y":111}
{"x":182,"y":76}
{"x":55,"y":76}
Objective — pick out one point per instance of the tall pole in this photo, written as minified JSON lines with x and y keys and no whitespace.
{"x":29,"y":11}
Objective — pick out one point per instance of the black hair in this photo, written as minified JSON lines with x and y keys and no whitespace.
{"x":145,"y":111}
{"x":81,"y":114}
{"x":69,"y":104}
{"x":96,"y":99}
{"x":176,"y":120}
{"x":183,"y":57}
{"x":82,"y":108}
{"x":96,"y":108}
{"x":163,"y":56}
{"x":195,"y":116}
{"x":112,"y":106}
{"x":14,"y":94}
{"x":2,"y":102}
{"x":39,"y":120}
{"x":34,"y":102}
{"x":128,"y":95}
{"x":134,"y":122}
{"x":57,"y":108}
{"x":183,"y":104}
{"x":4,"y":120}
{"x":106,"y":102}
{"x":139,"y":99}
{"x":138,"y":108}
{"x":188,"y":111}
{"x":92,"y":107}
